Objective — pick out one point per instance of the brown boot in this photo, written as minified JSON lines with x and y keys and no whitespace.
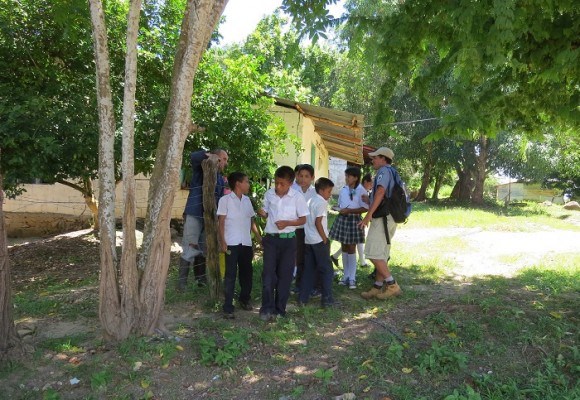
{"x":389,"y":291}
{"x":371,"y":293}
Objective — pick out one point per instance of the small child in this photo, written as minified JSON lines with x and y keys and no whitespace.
{"x":367,"y":184}
{"x":303,"y":184}
{"x":285,"y":209}
{"x":317,"y":250}
{"x":346,"y":229}
{"x":236,"y":220}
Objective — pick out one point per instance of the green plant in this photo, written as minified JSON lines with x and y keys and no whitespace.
{"x":50,"y":394}
{"x":100,"y":380}
{"x":442,"y":359}
{"x":235,"y":343}
{"x":324,"y":375}
{"x":470,"y":394}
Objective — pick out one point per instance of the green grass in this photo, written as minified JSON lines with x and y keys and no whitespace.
{"x":485,"y":337}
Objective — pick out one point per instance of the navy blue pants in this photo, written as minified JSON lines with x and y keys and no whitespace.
{"x":240,"y":257}
{"x":279,"y":258}
{"x":317,"y":264}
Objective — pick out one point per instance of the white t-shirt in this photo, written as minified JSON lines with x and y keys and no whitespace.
{"x":345,"y":201}
{"x":238,"y":222}
{"x":291,"y":206}
{"x":318,"y":207}
{"x":308,"y":194}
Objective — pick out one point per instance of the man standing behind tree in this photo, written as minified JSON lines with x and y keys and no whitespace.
{"x":378,"y":247}
{"x":193,"y":243}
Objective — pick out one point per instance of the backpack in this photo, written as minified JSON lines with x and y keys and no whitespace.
{"x":399,"y":203}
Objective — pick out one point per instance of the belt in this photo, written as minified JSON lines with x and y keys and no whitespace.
{"x":287,"y":235}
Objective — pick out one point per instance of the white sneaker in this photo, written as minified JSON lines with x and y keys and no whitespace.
{"x":352,"y":285}
{"x":342,"y":283}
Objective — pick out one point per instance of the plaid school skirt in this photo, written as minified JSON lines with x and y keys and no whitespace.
{"x":346,"y":230}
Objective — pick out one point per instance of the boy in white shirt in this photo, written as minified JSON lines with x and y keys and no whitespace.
{"x":236,"y":220}
{"x":285,"y":209}
{"x":317,"y":252}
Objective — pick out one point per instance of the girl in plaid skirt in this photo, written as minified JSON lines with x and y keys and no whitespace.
{"x":345,"y":228}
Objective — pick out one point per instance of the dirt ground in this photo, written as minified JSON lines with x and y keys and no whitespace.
{"x":74,"y":257}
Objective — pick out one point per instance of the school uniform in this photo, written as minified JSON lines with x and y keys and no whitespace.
{"x":345,"y":228}
{"x":300,"y":246}
{"x":279,"y":249}
{"x":317,"y":253}
{"x":238,"y":214}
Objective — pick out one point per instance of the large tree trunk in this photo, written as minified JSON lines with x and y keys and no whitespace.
{"x":211,"y":232}
{"x":437,"y":186}
{"x":86,"y":189}
{"x":11,"y":346}
{"x":480,"y":170}
{"x":426,"y":179}
{"x":464,"y":185}
{"x":200,"y":19}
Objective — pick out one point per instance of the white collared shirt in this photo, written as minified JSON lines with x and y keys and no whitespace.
{"x":291,"y":206}
{"x":318,"y":207}
{"x":344,"y":200}
{"x":238,"y":222}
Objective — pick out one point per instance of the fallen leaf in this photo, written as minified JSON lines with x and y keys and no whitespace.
{"x":367,"y":389}
{"x":407,"y":370}
{"x":145,"y":384}
{"x":418,"y":322}
{"x":556,"y":315}
{"x":452,"y":335}
{"x":137,"y":366}
{"x":180,"y":348}
{"x":362,"y":377}
{"x":406,"y":345}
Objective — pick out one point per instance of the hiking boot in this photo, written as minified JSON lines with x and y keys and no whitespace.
{"x":371,"y":293}
{"x":390,"y":290}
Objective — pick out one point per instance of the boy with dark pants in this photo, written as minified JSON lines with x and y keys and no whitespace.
{"x":285,"y":209}
{"x":236,"y":219}
{"x":317,"y":253}
{"x":303,"y":184}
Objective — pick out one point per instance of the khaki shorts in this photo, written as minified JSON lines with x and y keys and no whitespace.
{"x":376,"y":247}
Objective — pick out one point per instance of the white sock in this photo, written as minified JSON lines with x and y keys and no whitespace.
{"x":360,"y":247}
{"x":352,"y":268}
{"x":390,"y":279}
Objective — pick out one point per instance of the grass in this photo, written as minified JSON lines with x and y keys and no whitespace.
{"x":484,"y":337}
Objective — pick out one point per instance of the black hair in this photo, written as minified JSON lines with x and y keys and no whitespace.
{"x":234,"y":178}
{"x":285,"y":172}
{"x":367,"y":178}
{"x":354,"y":171}
{"x":302,"y":167}
{"x":322,"y":183}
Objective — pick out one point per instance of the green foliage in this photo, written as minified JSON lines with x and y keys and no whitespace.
{"x":470,"y":394}
{"x":442,"y":359}
{"x":235,"y":344}
{"x":100,"y":379}
{"x":324,"y":375}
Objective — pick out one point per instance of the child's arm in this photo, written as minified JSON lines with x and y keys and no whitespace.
{"x":256,"y":231}
{"x":222,"y":234}
{"x":320,"y":229}
{"x":294,"y":222}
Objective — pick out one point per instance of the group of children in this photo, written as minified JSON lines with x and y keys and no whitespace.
{"x":296,"y":237}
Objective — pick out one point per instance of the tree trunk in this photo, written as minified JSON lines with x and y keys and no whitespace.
{"x":200,"y":19}
{"x":437,"y":186}
{"x":480,"y":170}
{"x":464,"y":185}
{"x":211,"y":233}
{"x":86,"y":189}
{"x":109,"y":297}
{"x":11,"y":346}
{"x":426,"y":179}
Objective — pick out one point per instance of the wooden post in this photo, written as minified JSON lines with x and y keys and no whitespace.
{"x":214,"y":279}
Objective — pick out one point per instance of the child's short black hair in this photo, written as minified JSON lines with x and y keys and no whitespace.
{"x":285,"y":172}
{"x":354,"y":171}
{"x":367,"y":178}
{"x":302,"y":167}
{"x":234,"y":178}
{"x":322,"y":183}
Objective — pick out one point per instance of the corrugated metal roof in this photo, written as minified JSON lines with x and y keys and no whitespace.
{"x":341,"y":131}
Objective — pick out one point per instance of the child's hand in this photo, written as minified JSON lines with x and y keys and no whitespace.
{"x":224,"y":248}
{"x":282,"y":224}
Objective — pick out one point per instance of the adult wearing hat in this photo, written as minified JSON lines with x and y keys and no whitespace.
{"x":378,"y":245}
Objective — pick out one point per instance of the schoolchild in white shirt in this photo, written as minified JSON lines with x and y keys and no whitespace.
{"x":236,"y":221}
{"x":285,"y":209}
{"x":317,"y":250}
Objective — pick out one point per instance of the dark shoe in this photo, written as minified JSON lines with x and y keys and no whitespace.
{"x":229,"y":315}
{"x":331,"y":304}
{"x":201,"y":282}
{"x":267,"y":317}
{"x":315,"y":293}
{"x":295,"y":290}
{"x":246,"y":306}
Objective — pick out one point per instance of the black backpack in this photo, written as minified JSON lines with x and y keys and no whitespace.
{"x":398,"y":204}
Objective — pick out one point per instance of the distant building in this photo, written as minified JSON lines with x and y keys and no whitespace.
{"x":518,"y":191}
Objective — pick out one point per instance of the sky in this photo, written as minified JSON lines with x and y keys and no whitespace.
{"x":242,"y":16}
